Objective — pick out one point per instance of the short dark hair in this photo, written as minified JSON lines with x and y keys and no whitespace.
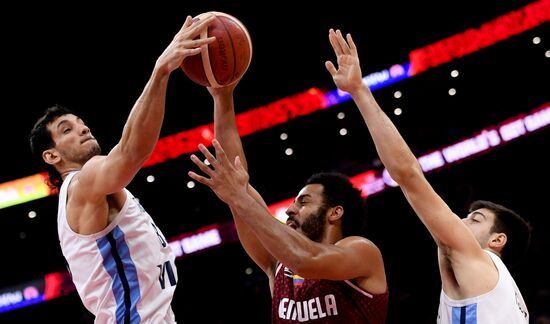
{"x":517,"y":230}
{"x":339,"y":191}
{"x":40,"y":140}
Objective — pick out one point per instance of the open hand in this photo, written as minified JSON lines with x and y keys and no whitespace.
{"x":228,"y":180}
{"x":347,"y":76}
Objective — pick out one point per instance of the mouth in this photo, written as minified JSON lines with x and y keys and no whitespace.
{"x":292,"y":224}
{"x":87,"y":139}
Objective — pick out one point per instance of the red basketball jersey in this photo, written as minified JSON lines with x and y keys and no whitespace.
{"x":299,"y":300}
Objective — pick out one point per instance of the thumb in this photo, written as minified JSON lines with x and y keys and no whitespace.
{"x":330,"y":67}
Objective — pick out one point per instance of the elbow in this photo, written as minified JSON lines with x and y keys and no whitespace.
{"x":296,"y":263}
{"x":304,"y":266}
{"x":406,"y":171}
{"x":135,"y":156}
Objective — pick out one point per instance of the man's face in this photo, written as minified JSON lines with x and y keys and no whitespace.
{"x":480,"y":222}
{"x":307,"y":214}
{"x":73,"y":140}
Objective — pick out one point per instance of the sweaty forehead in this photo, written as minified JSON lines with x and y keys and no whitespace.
{"x":315,"y":191}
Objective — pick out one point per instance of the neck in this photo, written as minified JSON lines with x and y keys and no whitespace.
{"x":494,"y":251}
{"x":66,"y":172}
{"x":331,"y":235}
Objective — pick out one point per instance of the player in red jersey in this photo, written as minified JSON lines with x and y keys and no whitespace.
{"x":320,"y":268}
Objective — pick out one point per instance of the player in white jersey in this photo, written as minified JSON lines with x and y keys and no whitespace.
{"x":495,"y":306}
{"x":130,"y":261}
{"x":121,"y":266}
{"x":470,"y":250}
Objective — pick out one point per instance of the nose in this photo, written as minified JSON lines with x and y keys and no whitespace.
{"x":291,"y":210}
{"x":84,"y":130}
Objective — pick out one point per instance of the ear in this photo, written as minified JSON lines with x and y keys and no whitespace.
{"x":498,"y":240}
{"x":335,"y":214}
{"x":51,"y":156}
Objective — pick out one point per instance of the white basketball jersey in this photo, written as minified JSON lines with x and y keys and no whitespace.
{"x":125,"y":273}
{"x":503,"y":304}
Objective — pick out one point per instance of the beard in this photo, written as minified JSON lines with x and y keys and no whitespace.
{"x":314,"y":225}
{"x":83,"y":157}
{"x":95,"y":150}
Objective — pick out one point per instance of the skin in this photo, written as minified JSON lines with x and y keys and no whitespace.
{"x":310,"y":251}
{"x":466,"y":270}
{"x":96,"y":195}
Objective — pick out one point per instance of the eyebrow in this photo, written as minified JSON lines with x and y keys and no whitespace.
{"x":65,"y":120}
{"x":61,"y":123}
{"x":479,"y":213}
{"x":302,"y":197}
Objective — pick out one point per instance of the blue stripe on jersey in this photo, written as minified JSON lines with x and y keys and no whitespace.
{"x":117,"y":261}
{"x":465,"y":314}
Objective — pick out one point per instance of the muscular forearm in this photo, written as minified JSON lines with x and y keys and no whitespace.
{"x":225,"y":128}
{"x":142,"y":129}
{"x":226,"y":132}
{"x":281,"y":241}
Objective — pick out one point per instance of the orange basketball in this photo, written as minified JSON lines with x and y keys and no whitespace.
{"x":225,"y":60}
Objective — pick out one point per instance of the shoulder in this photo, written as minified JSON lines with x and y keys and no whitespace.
{"x":355,"y":240}
{"x":359,"y":243}
{"x":87,"y":174}
{"x":83,"y":182}
{"x":93,"y":162}
{"x":368,"y":263}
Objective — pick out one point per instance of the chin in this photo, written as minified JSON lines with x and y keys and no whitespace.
{"x":96,"y":150}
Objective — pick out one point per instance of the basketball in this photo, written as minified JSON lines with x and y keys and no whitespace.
{"x":225,"y":60}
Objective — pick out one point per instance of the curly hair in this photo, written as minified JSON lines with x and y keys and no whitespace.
{"x":339,"y":191}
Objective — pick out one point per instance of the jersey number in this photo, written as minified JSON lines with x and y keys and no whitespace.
{"x":166,"y":269}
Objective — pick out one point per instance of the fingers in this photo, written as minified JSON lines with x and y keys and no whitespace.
{"x":220,"y":158}
{"x":339,"y":44}
{"x":199,"y":178}
{"x":220,"y":153}
{"x":217,"y":162}
{"x":334,"y":42}
{"x":188,"y":22}
{"x":209,"y":156}
{"x":198,"y":24}
{"x":204,"y":168}
{"x":342,"y":43}
{"x":201,"y":41}
{"x":351,"y":43}
{"x":193,"y":27}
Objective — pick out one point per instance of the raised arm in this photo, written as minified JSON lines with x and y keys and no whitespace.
{"x":447,"y":229}
{"x":227,"y":133}
{"x":107,"y":174}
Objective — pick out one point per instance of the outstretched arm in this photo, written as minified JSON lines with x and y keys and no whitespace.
{"x":447,"y":229}
{"x":143,"y":125}
{"x":227,"y":133}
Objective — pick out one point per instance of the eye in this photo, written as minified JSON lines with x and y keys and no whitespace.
{"x":66,"y":130}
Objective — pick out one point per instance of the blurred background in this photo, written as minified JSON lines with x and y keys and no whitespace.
{"x":466,"y":83}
